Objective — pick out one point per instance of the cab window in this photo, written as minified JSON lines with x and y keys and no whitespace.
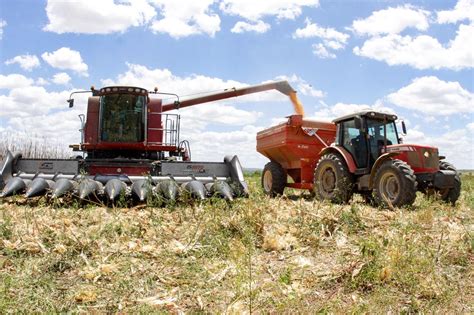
{"x":354,"y":141}
{"x":122,"y":118}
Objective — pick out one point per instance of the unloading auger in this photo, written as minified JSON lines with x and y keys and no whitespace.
{"x":131,"y":146}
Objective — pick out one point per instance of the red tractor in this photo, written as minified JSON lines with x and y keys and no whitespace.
{"x":358,"y":153}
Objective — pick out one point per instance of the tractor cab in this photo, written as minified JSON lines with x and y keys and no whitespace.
{"x":365,"y":136}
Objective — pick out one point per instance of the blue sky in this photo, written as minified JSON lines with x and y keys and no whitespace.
{"x":412,"y":58}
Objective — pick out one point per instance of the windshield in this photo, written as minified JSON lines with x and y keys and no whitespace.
{"x":122,"y":118}
{"x":375,"y":129}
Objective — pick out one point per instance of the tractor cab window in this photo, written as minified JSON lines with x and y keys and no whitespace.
{"x":376,"y":130}
{"x":122,"y":118}
{"x":355,"y":142}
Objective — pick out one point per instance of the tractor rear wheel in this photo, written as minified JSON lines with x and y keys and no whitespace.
{"x":273,"y":179}
{"x":395,"y":184}
{"x":450,"y":195}
{"x":332,"y":179}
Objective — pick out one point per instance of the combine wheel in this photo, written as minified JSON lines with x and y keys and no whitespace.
{"x":450,"y":195}
{"x":273,"y":179}
{"x":332,"y":179}
{"x":395,"y":184}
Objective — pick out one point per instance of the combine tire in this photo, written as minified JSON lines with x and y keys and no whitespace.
{"x":450,"y":195}
{"x":273,"y":179}
{"x":332,"y":179}
{"x":395,"y":184}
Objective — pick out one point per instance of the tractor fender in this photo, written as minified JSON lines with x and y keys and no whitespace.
{"x":342,"y":152}
{"x":384,"y":157}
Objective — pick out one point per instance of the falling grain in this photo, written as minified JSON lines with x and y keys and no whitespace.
{"x":296,"y":103}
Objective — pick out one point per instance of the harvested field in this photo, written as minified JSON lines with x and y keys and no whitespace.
{"x":257,"y":255}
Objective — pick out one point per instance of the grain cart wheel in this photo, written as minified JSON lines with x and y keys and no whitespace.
{"x":273,"y":179}
{"x":395,"y":184}
{"x":332,"y":179}
{"x":450,"y":194}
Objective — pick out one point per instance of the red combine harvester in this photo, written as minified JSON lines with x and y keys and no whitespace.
{"x":358,"y":153}
{"x":131,"y":145}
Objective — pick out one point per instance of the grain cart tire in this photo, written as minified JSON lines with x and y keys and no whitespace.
{"x":273,"y":179}
{"x":332,"y":179}
{"x":395,"y":184}
{"x":450,"y":195}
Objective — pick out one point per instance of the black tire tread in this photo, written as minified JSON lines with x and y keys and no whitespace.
{"x":407,"y":181}
{"x":453,"y":194}
{"x":344,"y":190}
{"x":279,"y":178}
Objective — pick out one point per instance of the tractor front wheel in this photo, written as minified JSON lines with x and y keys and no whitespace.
{"x":450,"y":195}
{"x":273,"y":179}
{"x":332,"y":179}
{"x":395,"y":184}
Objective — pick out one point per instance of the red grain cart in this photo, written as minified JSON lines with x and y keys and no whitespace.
{"x":293,"y":148}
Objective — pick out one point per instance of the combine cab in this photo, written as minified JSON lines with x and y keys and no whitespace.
{"x":131,"y":145}
{"x":359,"y":153}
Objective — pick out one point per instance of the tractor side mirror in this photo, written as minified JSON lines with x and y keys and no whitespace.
{"x":404,"y":128}
{"x":359,"y":123}
{"x":71,"y":102}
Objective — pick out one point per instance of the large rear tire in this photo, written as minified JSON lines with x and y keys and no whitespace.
{"x":450,"y":195}
{"x":273,"y":179}
{"x":395,"y":184}
{"x":332,"y":179}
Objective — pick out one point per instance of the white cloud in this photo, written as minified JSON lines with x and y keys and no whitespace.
{"x":27,"y":62}
{"x":183,"y":18}
{"x":321,"y":51}
{"x":32,"y":111}
{"x":254,"y":10}
{"x":332,"y":39}
{"x":3,"y":23}
{"x":100,"y":17}
{"x":240,"y":142}
{"x":66,"y":59}
{"x":61,"y":125}
{"x":301,"y":86}
{"x":433,"y":96}
{"x":327,"y":112}
{"x":205,"y":114}
{"x":312,"y":30}
{"x":30,"y":101}
{"x":392,"y":21}
{"x":61,"y":78}
{"x":12,"y":81}
{"x":41,"y":81}
{"x":257,"y":27}
{"x":422,"y":52}
{"x":464,"y":10}
{"x":470,"y":127}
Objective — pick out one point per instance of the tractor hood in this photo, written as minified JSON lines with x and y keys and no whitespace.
{"x":421,"y":158}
